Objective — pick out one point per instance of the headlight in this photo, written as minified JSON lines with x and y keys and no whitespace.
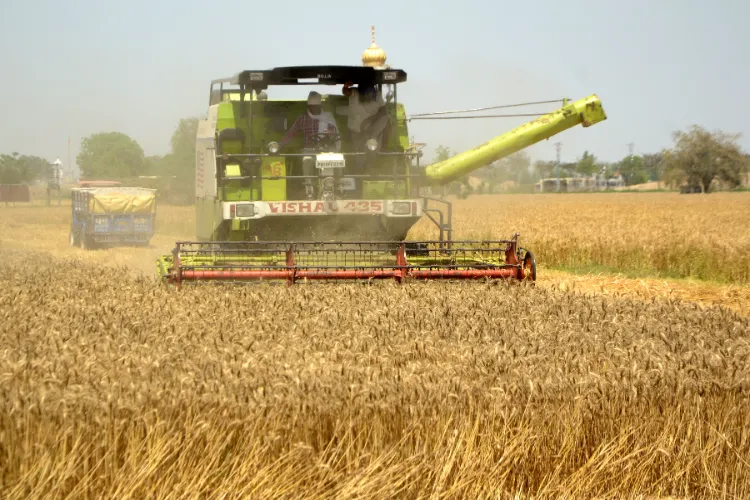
{"x":372,"y":144}
{"x":273,"y":147}
{"x":401,"y":207}
{"x":245,"y":210}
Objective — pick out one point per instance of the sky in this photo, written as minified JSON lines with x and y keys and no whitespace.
{"x":71,"y":69}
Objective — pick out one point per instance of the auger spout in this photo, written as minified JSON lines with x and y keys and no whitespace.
{"x":586,"y":112}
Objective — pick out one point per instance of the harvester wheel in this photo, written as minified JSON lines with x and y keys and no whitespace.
{"x":529,"y":266}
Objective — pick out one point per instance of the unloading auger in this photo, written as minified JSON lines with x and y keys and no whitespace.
{"x":339,"y":209}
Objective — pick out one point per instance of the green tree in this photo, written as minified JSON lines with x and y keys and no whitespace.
{"x":11,"y":171}
{"x":587,"y":165}
{"x":545,"y":169}
{"x":38,"y":167}
{"x":567,"y":169}
{"x":653,"y":164}
{"x":632,"y":170}
{"x":699,"y":156}
{"x":23,"y":169}
{"x":517,"y":166}
{"x":489,"y":175}
{"x":182,"y":158}
{"x":608,"y":170}
{"x":155,"y":165}
{"x":548,"y":169}
{"x":111,"y":155}
{"x":442,"y":153}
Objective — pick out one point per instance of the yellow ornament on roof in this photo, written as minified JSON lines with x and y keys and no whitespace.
{"x":374,"y":56}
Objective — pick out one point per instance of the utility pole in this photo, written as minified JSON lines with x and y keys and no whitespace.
{"x":558,"y":146}
{"x":70,"y":165}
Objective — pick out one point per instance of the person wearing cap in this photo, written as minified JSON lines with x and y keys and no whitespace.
{"x":312,"y":123}
{"x":368,"y":118}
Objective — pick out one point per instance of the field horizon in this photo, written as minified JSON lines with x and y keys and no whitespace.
{"x":574,"y":238}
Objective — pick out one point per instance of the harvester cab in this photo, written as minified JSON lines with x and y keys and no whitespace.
{"x":327,"y":185}
{"x":304,"y":159}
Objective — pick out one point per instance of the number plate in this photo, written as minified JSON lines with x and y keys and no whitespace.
{"x":330,"y":160}
{"x":325,"y":207}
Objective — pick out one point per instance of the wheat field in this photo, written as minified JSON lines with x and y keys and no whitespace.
{"x":642,"y":234}
{"x":584,"y":386}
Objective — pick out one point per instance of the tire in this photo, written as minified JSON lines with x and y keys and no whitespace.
{"x":529,"y":266}
{"x":85,"y":241}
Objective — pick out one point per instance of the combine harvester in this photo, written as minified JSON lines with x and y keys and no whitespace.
{"x":336,"y":208}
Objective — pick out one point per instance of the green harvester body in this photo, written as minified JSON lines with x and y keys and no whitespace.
{"x":255,"y":200}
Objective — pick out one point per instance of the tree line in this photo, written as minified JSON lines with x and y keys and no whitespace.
{"x":698,"y":161}
{"x":16,"y":168}
{"x":116,"y":156}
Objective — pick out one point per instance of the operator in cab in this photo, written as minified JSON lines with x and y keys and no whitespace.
{"x":316,"y":125}
{"x":368,"y":118}
{"x":320,"y":134}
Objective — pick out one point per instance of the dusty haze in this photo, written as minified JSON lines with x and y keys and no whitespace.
{"x":73,"y":69}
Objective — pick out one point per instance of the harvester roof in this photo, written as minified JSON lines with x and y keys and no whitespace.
{"x":314,"y":75}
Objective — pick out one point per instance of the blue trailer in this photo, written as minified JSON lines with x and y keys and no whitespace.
{"x":112,"y":216}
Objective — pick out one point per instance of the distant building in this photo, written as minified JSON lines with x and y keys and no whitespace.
{"x":578,"y":184}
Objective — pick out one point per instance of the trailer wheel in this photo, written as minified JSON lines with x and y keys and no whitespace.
{"x":85,"y":241}
{"x":73,"y":238}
